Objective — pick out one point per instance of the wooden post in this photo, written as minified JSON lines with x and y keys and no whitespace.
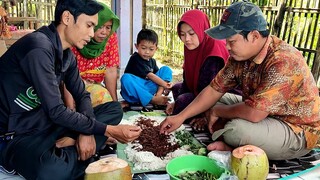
{"x":144,"y":14}
{"x":316,"y":64}
{"x":164,"y":30}
{"x":25,"y":14}
{"x":278,"y":22}
{"x":123,"y":11}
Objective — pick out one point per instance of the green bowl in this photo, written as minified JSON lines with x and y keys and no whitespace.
{"x":182,"y":164}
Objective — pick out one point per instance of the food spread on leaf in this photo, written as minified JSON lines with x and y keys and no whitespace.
{"x":152,"y":150}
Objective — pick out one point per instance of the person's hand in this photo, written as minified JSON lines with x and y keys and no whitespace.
{"x":169,"y":108}
{"x":86,"y":146}
{"x":170,"y":124}
{"x":123,"y":133}
{"x":212,"y":118}
{"x":168,"y":85}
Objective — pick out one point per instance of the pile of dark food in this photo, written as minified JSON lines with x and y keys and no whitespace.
{"x":151,"y":139}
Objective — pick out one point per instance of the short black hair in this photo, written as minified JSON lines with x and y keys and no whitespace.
{"x":148,"y":35}
{"x":76,"y":7}
{"x":263,"y":33}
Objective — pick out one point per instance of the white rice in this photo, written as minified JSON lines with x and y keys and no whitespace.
{"x":145,"y":160}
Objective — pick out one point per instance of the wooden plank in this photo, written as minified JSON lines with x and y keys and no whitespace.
{"x":28,"y":22}
{"x":21,"y":19}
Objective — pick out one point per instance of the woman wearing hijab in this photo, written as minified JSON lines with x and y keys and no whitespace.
{"x":204,"y":57}
{"x":98,"y":61}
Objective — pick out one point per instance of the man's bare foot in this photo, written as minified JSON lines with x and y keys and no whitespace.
{"x":219,"y":146}
{"x":64,"y":142}
{"x":199,"y":124}
{"x":160,"y":100}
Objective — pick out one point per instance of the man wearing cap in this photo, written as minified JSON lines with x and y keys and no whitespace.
{"x":279,"y":108}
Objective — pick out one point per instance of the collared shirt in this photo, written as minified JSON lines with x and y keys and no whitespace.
{"x":277,"y":81}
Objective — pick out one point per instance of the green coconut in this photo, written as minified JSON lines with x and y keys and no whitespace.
{"x":108,"y":168}
{"x":250,"y":163}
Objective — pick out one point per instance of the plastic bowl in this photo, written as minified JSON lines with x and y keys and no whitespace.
{"x":182,"y":164}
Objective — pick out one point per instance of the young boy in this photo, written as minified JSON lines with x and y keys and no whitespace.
{"x":143,"y":82}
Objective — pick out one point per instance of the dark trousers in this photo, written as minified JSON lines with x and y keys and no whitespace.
{"x":36,"y":157}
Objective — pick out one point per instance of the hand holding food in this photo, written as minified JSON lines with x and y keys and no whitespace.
{"x":123,"y":133}
{"x":170,"y":124}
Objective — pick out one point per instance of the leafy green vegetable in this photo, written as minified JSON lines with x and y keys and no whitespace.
{"x":202,"y":151}
{"x":153,"y":113}
{"x":186,"y":139}
{"x":196,"y":175}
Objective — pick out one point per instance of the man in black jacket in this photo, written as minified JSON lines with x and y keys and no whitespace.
{"x":34,"y":121}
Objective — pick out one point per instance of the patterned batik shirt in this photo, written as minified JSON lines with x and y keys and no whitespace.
{"x":277,"y":81}
{"x":94,"y":69}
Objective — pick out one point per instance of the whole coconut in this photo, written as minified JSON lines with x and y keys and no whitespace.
{"x":250,"y":163}
{"x":108,"y":168}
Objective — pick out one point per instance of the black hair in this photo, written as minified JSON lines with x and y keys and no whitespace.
{"x":263,"y":33}
{"x":76,"y":7}
{"x":148,"y":35}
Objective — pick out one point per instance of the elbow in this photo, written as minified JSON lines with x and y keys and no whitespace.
{"x":254,"y":117}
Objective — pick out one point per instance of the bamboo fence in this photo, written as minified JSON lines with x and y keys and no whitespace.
{"x":295,"y":21}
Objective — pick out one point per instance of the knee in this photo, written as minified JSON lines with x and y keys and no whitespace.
{"x":166,"y":69}
{"x":46,"y":169}
{"x":185,"y":98}
{"x":176,"y":86}
{"x":117,"y":112}
{"x":126,"y":78}
{"x":238,"y":132}
{"x":165,"y":73}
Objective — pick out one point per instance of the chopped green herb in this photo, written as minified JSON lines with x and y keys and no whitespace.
{"x":186,"y":139}
{"x":196,"y":175}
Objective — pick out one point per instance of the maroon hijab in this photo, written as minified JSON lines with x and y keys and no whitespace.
{"x":193,"y":59}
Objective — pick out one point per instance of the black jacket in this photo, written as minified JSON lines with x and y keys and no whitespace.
{"x":30,"y":100}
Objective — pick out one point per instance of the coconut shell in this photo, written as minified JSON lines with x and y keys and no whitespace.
{"x":108,"y":168}
{"x":250,"y":163}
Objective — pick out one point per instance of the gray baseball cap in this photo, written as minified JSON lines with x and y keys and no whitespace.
{"x":239,"y":16}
